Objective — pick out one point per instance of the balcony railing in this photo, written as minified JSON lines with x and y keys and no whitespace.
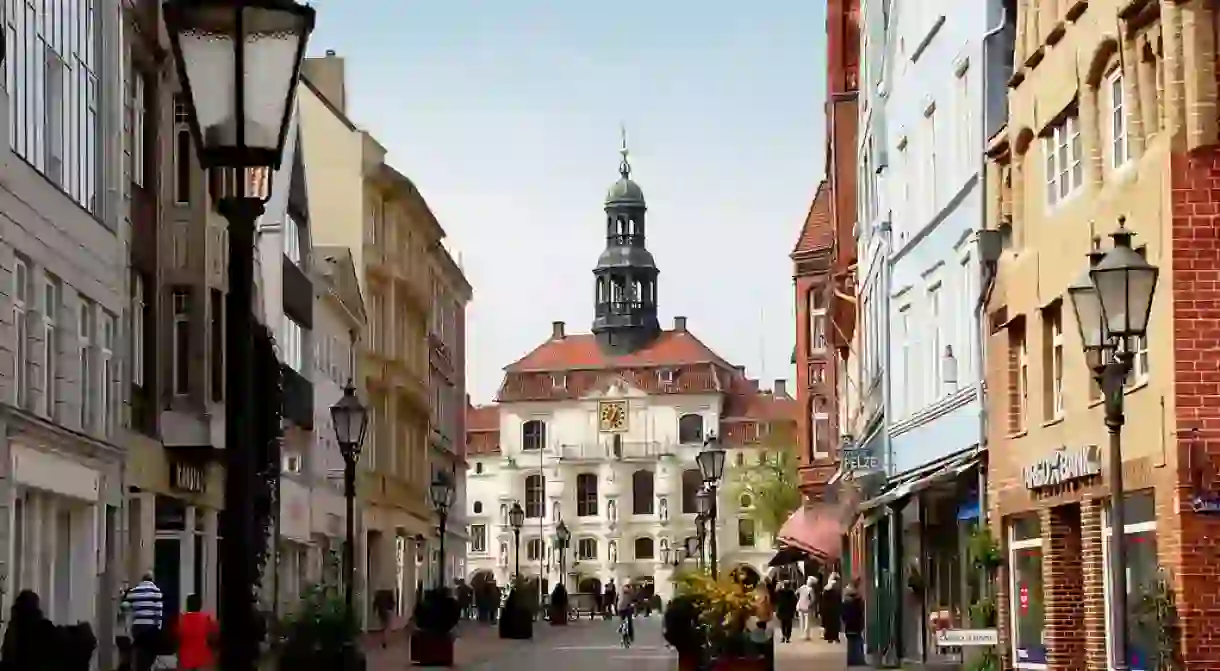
{"x":641,"y":449}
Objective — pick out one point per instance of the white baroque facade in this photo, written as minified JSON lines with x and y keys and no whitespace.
{"x":625,"y":494}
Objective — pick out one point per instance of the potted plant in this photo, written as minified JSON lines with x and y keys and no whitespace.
{"x":432,"y":636}
{"x":516,"y":618}
{"x":683,"y":631}
{"x":558,"y":606}
{"x":726,"y":610}
{"x":319,"y":636}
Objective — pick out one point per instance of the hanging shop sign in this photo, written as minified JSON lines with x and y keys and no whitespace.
{"x":960,"y":638}
{"x":1064,"y":466}
{"x":859,"y":461}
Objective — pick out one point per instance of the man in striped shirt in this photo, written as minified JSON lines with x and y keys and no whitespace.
{"x":145,"y":609}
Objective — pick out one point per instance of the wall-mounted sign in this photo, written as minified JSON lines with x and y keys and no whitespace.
{"x":859,"y":461}
{"x":187,"y":477}
{"x":1207,"y":505}
{"x":1064,"y":466}
{"x":956,"y":638}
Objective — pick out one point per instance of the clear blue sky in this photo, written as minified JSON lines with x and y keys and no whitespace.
{"x":506,"y":115}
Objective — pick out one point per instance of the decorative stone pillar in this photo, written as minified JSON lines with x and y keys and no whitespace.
{"x":186,"y":558}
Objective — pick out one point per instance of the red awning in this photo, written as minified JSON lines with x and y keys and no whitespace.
{"x":815,"y":529}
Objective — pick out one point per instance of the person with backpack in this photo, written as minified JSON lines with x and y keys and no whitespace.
{"x":145,"y":607}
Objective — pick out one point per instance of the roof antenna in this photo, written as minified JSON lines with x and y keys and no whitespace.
{"x":624,"y":168}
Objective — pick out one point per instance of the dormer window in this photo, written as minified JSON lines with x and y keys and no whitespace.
{"x":559,"y":380}
{"x":667,"y":376}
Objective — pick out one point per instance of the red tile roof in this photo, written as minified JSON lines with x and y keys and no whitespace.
{"x":581,"y":352}
{"x":482,"y":430}
{"x":818,"y":232}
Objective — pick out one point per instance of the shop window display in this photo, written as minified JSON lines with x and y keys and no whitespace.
{"x":1142,"y":575}
{"x":1028,"y":604}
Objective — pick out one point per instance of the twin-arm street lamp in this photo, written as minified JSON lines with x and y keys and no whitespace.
{"x":711,"y":467}
{"x":238,"y":64}
{"x":562,"y":537}
{"x":441,"y":491}
{"x":1112,"y":302}
{"x":516,"y":518}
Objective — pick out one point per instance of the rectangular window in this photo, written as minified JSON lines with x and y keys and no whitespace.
{"x":533,"y":549}
{"x":745,"y":532}
{"x":182,"y":151}
{"x":478,"y":538}
{"x":965,"y":321}
{"x":1143,"y":575}
{"x":963,"y":119}
{"x":216,"y":334}
{"x":931,"y":197}
{"x":817,"y":321}
{"x":586,"y":549}
{"x":1020,"y":377}
{"x":53,"y":110}
{"x":51,"y":305}
{"x":139,"y":304}
{"x":22,"y":304}
{"x":292,"y":463}
{"x":1027,"y":605}
{"x":107,"y":386}
{"x":1139,"y":364}
{"x":1052,"y":361}
{"x":936,"y":342}
{"x":820,"y":438}
{"x":138,"y":127}
{"x":182,"y":342}
{"x":292,"y":239}
{"x":292,"y":347}
{"x":1064,"y":156}
{"x":1120,"y":150}
{"x":905,"y":401}
{"x":88,"y":371}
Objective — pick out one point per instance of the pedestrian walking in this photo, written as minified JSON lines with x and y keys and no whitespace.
{"x":832,"y":608}
{"x":465,"y":597}
{"x":30,"y":637}
{"x":806,"y":602}
{"x":853,"y":624}
{"x":608,"y":598}
{"x":197,"y":635}
{"x":145,"y":608}
{"x":785,"y":609}
{"x":626,"y":610}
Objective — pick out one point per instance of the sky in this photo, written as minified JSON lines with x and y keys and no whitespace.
{"x":506,"y":115}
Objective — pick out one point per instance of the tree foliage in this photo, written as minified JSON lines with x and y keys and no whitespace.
{"x":773,"y":487}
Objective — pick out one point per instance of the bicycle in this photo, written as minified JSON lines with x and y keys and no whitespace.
{"x":624,"y":632}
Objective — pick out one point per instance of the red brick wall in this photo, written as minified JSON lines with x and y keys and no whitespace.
{"x":1195,"y":286}
{"x":1091,"y":567}
{"x":1063,"y":587}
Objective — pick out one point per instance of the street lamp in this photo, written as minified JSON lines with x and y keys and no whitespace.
{"x":516,"y":518}
{"x":350,"y":419}
{"x":441,"y":492}
{"x":701,"y":525}
{"x":1112,"y":308}
{"x":711,"y":466}
{"x":238,"y":64}
{"x":562,"y":537}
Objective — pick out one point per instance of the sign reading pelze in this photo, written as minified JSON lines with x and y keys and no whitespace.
{"x":1062,"y":467}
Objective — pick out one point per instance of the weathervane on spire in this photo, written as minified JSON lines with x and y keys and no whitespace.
{"x":624,"y":168}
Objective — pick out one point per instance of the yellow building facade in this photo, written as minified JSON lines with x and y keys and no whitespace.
{"x":359,"y":202}
{"x":1112,"y":115}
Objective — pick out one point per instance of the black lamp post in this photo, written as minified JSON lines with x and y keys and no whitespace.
{"x":350,"y":419}
{"x":1112,"y":303}
{"x":711,"y":466}
{"x":562,"y":537}
{"x":516,"y":518}
{"x":441,"y":492}
{"x":700,"y":527}
{"x":238,"y":64}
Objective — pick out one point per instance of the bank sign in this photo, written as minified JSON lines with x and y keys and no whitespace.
{"x":1064,"y":466}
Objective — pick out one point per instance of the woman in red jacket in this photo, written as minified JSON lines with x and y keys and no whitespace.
{"x":197,"y":633}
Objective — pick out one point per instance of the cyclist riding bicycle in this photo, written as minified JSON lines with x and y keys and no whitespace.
{"x":626,"y":609}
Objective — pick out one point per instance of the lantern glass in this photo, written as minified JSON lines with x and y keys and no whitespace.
{"x":1086,"y":304}
{"x":665,"y":555}
{"x":516,"y":515}
{"x":239,"y":64}
{"x":1125,"y":283}
{"x":351,"y":421}
{"x":711,"y":463}
{"x":692,"y":546}
{"x":562,"y":534}
{"x":704,"y":501}
{"x":441,"y":491}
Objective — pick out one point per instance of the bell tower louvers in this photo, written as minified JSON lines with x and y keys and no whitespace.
{"x":625,"y":318}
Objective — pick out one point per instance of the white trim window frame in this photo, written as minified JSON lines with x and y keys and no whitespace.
{"x":52,"y":303}
{"x":936,"y":346}
{"x":964,"y":158}
{"x":86,"y":334}
{"x":292,"y":239}
{"x":931,"y":195}
{"x":181,"y":165}
{"x":292,"y":348}
{"x":1023,"y":380}
{"x":138,"y":123}
{"x":108,"y":395}
{"x":1139,"y":362}
{"x":1013,"y":606}
{"x":478,"y":538}
{"x":1064,"y":165}
{"x":966,"y":328}
{"x":1107,"y":536}
{"x":181,"y":342}
{"x":138,"y":304}
{"x":1119,"y":143}
{"x":1056,"y":328}
{"x":21,"y":332}
{"x":819,"y":425}
{"x":906,"y":401}
{"x":817,"y":320}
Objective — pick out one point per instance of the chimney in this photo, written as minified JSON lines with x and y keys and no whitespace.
{"x":679,"y":324}
{"x":328,"y":77}
{"x":557,"y":331}
{"x":780,"y":389}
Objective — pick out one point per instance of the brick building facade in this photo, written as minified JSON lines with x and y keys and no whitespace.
{"x":1119,"y":101}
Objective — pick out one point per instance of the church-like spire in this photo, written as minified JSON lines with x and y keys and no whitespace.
{"x":625,"y":304}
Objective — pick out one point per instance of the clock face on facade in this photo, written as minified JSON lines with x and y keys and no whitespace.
{"x":612,"y":415}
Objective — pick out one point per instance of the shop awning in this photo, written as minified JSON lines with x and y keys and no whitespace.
{"x":816,"y":530}
{"x":922,"y":478}
{"x":788,"y":555}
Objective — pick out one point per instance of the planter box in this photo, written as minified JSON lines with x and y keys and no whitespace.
{"x":431,"y":649}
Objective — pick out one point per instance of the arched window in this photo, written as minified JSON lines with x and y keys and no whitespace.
{"x":556,"y":513}
{"x":586,"y":548}
{"x":586,"y":494}
{"x":478,"y":507}
{"x":692,"y":482}
{"x":533,"y":496}
{"x":644,"y":548}
{"x":642,"y":493}
{"x":690,"y":429}
{"x":533,"y":435}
